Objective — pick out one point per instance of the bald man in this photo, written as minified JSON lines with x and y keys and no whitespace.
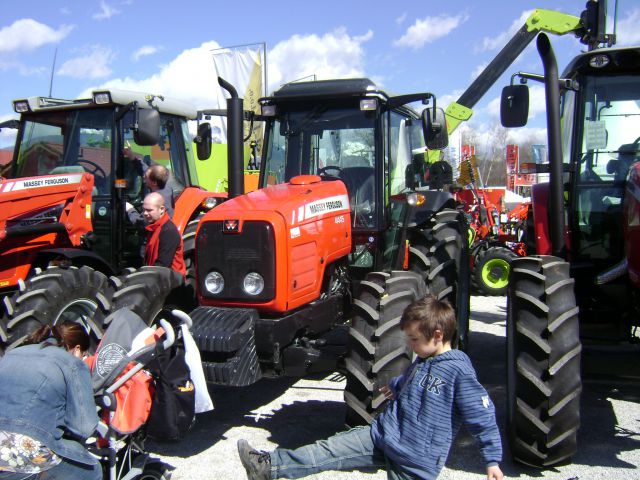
{"x":164,"y":244}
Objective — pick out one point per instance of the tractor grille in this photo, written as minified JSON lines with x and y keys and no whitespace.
{"x":234,"y":255}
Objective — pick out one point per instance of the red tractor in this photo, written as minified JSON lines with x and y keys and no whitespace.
{"x":318,"y":264}
{"x":574,"y":306}
{"x":63,"y":227}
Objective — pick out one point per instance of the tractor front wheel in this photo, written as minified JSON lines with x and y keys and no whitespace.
{"x":378,"y":350}
{"x":147,"y":291}
{"x":491,"y":270}
{"x":543,"y":362}
{"x":56,"y":295}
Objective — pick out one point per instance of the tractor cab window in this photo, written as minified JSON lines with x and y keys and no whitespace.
{"x":610,"y":144}
{"x":166,"y":153}
{"x":64,"y":142}
{"x":333,"y":143}
{"x":405,"y":137}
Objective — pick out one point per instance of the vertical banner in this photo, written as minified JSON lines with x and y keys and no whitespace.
{"x":243,"y":67}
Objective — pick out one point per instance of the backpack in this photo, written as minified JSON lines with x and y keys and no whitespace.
{"x":173,"y":408}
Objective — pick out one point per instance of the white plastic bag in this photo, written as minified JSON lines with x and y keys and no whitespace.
{"x":192,"y":357}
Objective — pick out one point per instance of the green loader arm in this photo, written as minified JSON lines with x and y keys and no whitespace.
{"x":539,"y":21}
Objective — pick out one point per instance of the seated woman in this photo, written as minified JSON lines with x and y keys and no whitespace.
{"x":47,"y":408}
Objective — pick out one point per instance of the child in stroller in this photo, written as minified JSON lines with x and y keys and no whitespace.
{"x":124,"y":392}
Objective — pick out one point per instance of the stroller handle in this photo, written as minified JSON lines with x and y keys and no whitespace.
{"x":183,"y":317}
{"x":171,"y":336}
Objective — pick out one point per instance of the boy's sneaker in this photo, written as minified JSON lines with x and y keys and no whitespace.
{"x":256,"y":463}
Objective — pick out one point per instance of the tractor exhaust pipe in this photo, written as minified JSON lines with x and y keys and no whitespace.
{"x":556,"y":189}
{"x":235,"y":142}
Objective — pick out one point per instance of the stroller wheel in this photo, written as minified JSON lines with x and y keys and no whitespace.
{"x":155,"y":471}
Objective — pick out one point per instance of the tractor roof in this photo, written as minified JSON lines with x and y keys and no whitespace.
{"x":110,"y":97}
{"x":349,"y":89}
{"x":618,"y":60}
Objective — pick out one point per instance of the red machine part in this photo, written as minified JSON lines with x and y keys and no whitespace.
{"x":42,"y":212}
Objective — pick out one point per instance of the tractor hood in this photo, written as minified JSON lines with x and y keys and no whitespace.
{"x":302,"y":200}
{"x":286,"y":234}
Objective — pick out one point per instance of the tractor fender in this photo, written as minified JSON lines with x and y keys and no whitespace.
{"x":190,"y":202}
{"x":77,"y":257}
{"x":540,"y":210}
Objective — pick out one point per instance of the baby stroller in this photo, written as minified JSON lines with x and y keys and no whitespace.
{"x":124,"y":392}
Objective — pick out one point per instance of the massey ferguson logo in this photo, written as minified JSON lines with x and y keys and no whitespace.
{"x":230,"y":226}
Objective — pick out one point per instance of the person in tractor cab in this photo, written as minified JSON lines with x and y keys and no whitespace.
{"x":156,"y":178}
{"x":164,"y":244}
{"x":47,"y":407}
{"x":412,"y":436}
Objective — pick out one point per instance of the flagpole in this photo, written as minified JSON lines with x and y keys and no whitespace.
{"x":53,"y":67}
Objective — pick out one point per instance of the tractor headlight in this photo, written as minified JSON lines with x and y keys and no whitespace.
{"x":253,"y":283}
{"x":209,"y":202}
{"x":214,"y":282}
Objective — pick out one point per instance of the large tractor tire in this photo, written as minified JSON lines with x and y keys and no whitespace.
{"x":543,"y":362}
{"x":188,"y":293}
{"x":378,"y":350}
{"x":81,"y":295}
{"x":491,"y":270}
{"x":147,"y":291}
{"x":440,"y":253}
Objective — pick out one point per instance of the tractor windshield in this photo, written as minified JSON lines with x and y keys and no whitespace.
{"x":610,"y":143}
{"x":333,"y":143}
{"x":66,"y":141}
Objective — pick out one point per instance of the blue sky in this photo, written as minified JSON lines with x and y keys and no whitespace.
{"x":164,"y":47}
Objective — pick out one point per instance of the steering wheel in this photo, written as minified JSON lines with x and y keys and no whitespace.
{"x":323,"y":171}
{"x":95,"y":168}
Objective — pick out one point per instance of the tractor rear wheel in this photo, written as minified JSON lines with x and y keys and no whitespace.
{"x":439,"y":252}
{"x":56,"y":295}
{"x":543,"y":362}
{"x":378,"y":350}
{"x":188,"y":294}
{"x":147,"y":291}
{"x":491,"y":270}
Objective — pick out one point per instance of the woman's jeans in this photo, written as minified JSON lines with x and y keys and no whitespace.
{"x":348,"y":450}
{"x":66,"y":470}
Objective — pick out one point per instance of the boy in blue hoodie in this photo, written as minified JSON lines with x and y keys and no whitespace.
{"x":412,"y":436}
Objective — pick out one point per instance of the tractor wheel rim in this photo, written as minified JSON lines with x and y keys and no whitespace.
{"x":489,"y":270}
{"x":79,"y":311}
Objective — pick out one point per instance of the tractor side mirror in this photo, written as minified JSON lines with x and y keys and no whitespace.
{"x":434,"y":128}
{"x":148,"y":131}
{"x":514,"y":106}
{"x":203,"y":141}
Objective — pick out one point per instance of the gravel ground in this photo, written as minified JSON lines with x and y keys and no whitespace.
{"x":290,"y":413}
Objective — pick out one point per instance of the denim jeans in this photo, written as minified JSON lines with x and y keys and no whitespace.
{"x":348,"y":450}
{"x":66,"y":470}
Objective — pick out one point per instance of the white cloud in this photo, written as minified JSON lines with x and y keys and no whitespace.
{"x":28,"y":34}
{"x":332,"y":55}
{"x":493,"y":43}
{"x":627,"y":31}
{"x":189,"y":77}
{"x":106,"y":12}
{"x":92,"y":64}
{"x":520,"y":136}
{"x":429,"y":29}
{"x":144,"y":51}
{"x":478,"y":70}
{"x":65,"y":11}
{"x":400,"y":20}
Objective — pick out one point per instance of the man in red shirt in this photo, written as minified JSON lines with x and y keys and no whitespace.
{"x":164,"y":244}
